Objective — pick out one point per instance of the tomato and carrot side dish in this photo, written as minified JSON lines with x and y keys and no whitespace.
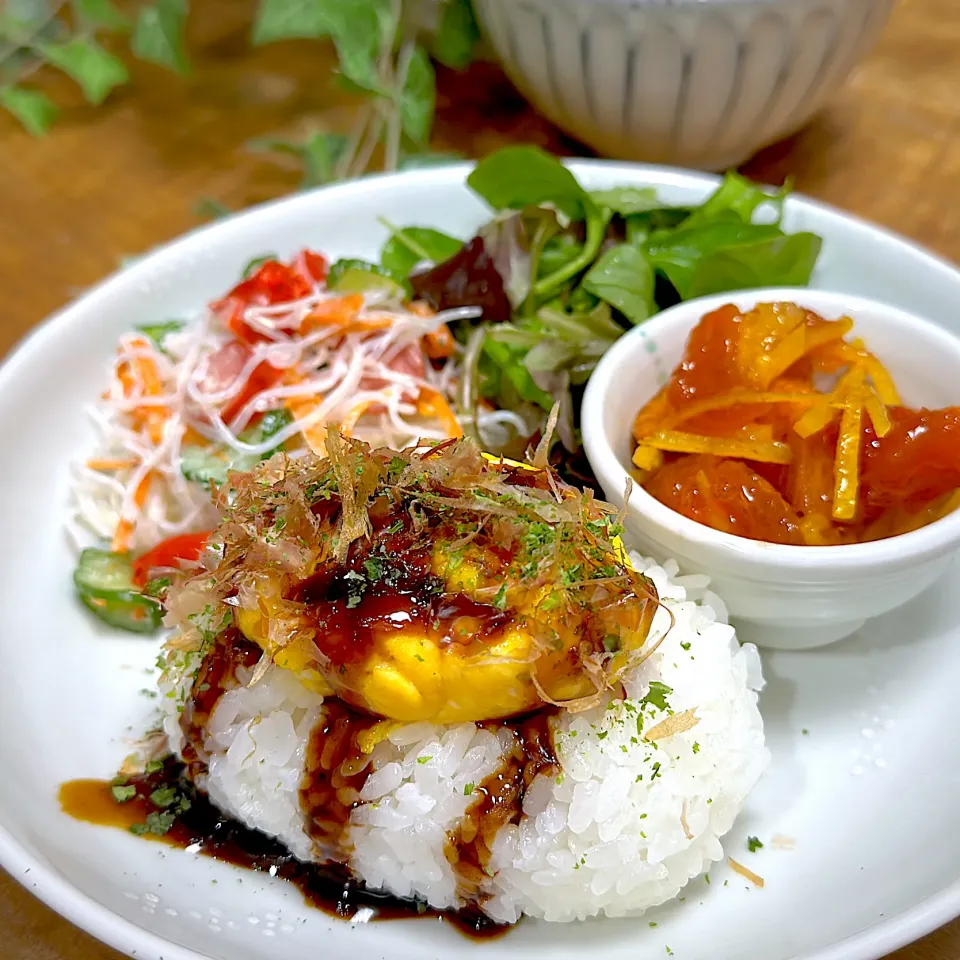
{"x":780,"y":425}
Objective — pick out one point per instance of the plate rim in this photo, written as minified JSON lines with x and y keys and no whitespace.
{"x":43,"y":881}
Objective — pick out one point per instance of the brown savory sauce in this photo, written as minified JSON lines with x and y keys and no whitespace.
{"x":499,"y":801}
{"x":387,"y":583}
{"x":217,"y":672}
{"x":334,"y":777}
{"x":336,"y":770}
{"x":329,"y":888}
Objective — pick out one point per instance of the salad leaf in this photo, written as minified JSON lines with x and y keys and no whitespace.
{"x":157,"y":332}
{"x":627,"y":200}
{"x":505,"y":239}
{"x":256,"y":263}
{"x":784,"y":261}
{"x":623,"y":277}
{"x":412,"y":245}
{"x":467,"y":279}
{"x":360,"y":276}
{"x":509,"y":360}
{"x":676,"y":253}
{"x":557,"y":252}
{"x":739,"y":196}
{"x":518,"y":177}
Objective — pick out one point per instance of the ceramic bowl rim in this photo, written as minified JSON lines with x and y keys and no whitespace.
{"x":853,"y":560}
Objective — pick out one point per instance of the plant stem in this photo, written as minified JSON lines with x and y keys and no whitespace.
{"x":342,"y":168}
{"x":369,"y":144}
{"x":394,"y":126}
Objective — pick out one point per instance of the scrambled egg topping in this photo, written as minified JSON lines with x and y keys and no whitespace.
{"x":429,"y":586}
{"x":411,"y":672}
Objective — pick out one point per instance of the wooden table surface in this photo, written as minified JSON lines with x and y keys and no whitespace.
{"x":117,"y":180}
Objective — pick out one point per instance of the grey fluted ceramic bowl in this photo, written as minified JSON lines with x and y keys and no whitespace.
{"x":701,"y":83}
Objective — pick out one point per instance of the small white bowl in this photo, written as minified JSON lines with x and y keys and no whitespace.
{"x":787,"y":597}
{"x":700,"y":83}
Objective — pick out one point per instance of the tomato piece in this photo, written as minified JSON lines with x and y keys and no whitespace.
{"x":167,"y":554}
{"x":223,"y":368}
{"x":917,"y":461}
{"x":271,"y":284}
{"x":313,"y":267}
{"x":410,"y":361}
{"x":728,"y":496}
{"x":264,"y":376}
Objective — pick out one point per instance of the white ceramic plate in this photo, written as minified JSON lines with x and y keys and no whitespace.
{"x":869,"y":794}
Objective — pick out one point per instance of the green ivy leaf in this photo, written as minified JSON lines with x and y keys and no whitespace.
{"x":158,"y":35}
{"x":457,"y":35}
{"x":85,"y":61}
{"x":20,"y":19}
{"x":209,"y":208}
{"x":100,"y":13}
{"x":320,"y":155}
{"x":418,"y":97}
{"x":286,"y":19}
{"x":358,"y":52}
{"x":33,"y":109}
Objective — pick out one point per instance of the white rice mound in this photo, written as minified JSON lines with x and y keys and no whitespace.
{"x":623,"y":827}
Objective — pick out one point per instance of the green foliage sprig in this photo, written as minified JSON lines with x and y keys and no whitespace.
{"x":385,"y":51}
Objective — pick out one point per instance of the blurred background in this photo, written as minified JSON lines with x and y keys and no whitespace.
{"x":123,"y":124}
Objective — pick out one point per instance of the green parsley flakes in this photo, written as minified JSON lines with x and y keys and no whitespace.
{"x":754,"y":844}
{"x":123,"y":793}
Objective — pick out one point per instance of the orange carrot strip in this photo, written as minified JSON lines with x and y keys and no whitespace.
{"x":353,"y":416}
{"x":315,"y":434}
{"x":438,"y":344}
{"x":339,"y":311}
{"x":432,"y":403}
{"x":125,"y":528}
{"x":118,"y":463}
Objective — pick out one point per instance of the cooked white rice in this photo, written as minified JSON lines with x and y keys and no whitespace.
{"x":623,"y":827}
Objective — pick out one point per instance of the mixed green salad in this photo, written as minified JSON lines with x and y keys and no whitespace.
{"x":562,"y":271}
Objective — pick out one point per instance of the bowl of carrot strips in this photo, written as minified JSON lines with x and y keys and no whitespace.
{"x":800,"y":447}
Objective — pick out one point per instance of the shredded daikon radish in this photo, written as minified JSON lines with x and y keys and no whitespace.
{"x":158,"y":401}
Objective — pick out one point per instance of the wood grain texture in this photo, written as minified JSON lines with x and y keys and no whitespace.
{"x":117,"y":180}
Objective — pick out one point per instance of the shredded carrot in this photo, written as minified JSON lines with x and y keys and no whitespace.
{"x":315,"y":433}
{"x":745,"y":872}
{"x":432,"y":403}
{"x":118,"y":463}
{"x":677,"y":442}
{"x":340,"y":311}
{"x":353,"y":416}
{"x":438,"y":344}
{"x":125,"y":528}
{"x":142,"y":373}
